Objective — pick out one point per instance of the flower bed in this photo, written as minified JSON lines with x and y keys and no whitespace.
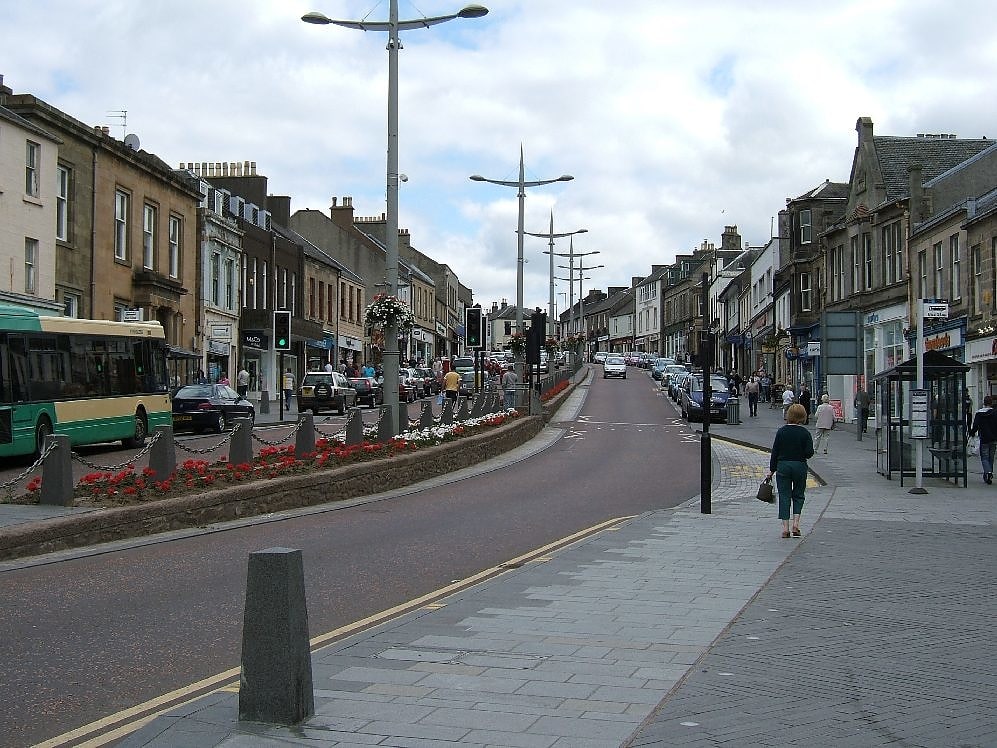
{"x":128,"y":486}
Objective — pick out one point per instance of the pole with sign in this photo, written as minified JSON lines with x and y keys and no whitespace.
{"x":932,"y":309}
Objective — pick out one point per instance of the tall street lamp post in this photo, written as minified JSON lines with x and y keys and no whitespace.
{"x":571,"y":255}
{"x":581,"y":296}
{"x":551,"y":236}
{"x":521,"y":184}
{"x":393,"y":26}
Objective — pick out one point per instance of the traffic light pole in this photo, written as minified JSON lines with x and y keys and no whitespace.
{"x":280,"y":384}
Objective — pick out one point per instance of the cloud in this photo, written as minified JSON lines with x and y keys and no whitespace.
{"x":675,"y":119}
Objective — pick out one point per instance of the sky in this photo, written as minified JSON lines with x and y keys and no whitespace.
{"x":675,"y":119}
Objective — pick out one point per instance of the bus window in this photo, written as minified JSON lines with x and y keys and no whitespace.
{"x":18,"y":360}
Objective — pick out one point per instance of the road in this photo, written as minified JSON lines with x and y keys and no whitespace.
{"x":89,"y":636}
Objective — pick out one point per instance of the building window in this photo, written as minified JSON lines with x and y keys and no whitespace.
{"x":176,"y":227}
{"x":866,"y":261}
{"x":149,"y":237}
{"x":255,"y":282}
{"x":893,"y":251}
{"x":893,"y":344}
{"x":806,"y":226}
{"x":976,"y":267}
{"x":939,"y":271}
{"x":294,"y":292}
{"x":342,"y":301}
{"x":119,"y":310}
{"x":955,"y":256}
{"x":321,"y":299}
{"x":30,"y":265}
{"x":121,"y":200}
{"x":856,"y":264}
{"x":330,"y":305}
{"x":62,"y":204}
{"x":283,"y":289}
{"x":265,"y":288}
{"x":71,"y":304}
{"x":215,"y":293}
{"x":922,"y":273}
{"x":230,"y":284}
{"x":311,"y":298}
{"x":32,"y":159}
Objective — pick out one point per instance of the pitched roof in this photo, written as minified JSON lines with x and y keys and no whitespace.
{"x":826,"y":190}
{"x":934,"y":155}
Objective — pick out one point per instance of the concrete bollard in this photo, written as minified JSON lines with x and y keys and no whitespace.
{"x":241,"y":448}
{"x":463,"y":412}
{"x":304,"y":440}
{"x":276,"y":681}
{"x":354,"y":427}
{"x":448,"y":410}
{"x":163,"y":455}
{"x":383,"y":431}
{"x":57,"y":473}
{"x":265,"y":401}
{"x":426,"y":417}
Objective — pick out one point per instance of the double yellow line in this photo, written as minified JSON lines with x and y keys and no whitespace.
{"x":123,"y":723}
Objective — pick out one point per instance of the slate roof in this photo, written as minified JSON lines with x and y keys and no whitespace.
{"x":316,"y":252}
{"x":826,"y":190}
{"x":934,"y":155}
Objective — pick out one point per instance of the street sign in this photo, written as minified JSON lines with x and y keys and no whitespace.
{"x":935,"y":310}
{"x":919,"y":414}
{"x":813,"y":348}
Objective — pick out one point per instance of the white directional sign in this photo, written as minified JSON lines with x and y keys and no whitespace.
{"x":935,"y":310}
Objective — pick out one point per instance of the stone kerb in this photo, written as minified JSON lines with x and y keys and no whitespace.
{"x":262,"y":497}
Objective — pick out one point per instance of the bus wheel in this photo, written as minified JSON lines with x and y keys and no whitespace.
{"x":141,"y":432}
{"x":43,"y":429}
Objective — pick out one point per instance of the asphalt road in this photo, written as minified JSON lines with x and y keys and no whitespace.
{"x":83,"y":638}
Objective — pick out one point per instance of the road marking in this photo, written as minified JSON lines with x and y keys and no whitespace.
{"x":110,"y":728}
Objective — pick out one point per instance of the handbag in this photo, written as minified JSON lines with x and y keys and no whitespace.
{"x":766,"y":492}
{"x":973,"y":447}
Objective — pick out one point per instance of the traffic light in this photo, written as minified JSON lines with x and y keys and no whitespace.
{"x":473,"y":327}
{"x":282,"y":330}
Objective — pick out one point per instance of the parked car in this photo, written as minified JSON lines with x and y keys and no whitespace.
{"x":675,"y":384}
{"x":417,"y":381}
{"x":670,"y":371}
{"x":659,"y":366}
{"x":407,"y":387}
{"x":614,"y":366}
{"x":325,"y":390}
{"x":200,"y":407}
{"x":691,"y":402}
{"x":599,"y":357}
{"x":460,"y":364}
{"x":466,"y":387}
{"x":368,"y":391}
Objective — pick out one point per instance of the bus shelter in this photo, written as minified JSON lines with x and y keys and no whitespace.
{"x":944,"y":448}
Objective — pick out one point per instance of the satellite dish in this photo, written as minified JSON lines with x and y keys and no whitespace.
{"x":132,"y":142}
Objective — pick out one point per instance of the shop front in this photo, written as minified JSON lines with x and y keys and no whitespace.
{"x":255,"y":357}
{"x":351,"y":350}
{"x":981,"y":357}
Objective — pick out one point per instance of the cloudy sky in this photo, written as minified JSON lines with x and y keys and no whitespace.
{"x":675,"y":118}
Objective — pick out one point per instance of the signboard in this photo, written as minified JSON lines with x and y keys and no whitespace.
{"x":839,"y":413}
{"x":919,"y":414}
{"x":813,"y":348}
{"x":254,"y":339}
{"x":220,"y":332}
{"x":936,"y":310}
{"x":132,"y":315}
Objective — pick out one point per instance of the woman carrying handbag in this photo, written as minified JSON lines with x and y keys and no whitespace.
{"x":792,"y":447}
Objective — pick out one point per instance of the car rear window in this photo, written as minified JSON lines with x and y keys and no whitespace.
{"x":313,"y":379}
{"x":614,"y":360}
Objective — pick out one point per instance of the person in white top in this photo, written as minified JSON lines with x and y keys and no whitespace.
{"x":788,"y":398}
{"x":824,"y":422}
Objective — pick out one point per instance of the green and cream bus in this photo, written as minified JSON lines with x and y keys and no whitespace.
{"x":92,"y":380}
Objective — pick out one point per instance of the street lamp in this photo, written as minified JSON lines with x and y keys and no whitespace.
{"x":581,"y":297}
{"x":522,"y":184}
{"x":393,"y":26}
{"x":571,"y":255}
{"x":551,"y":236}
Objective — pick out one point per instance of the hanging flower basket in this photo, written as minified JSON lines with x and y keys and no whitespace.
{"x":552,"y":347}
{"x":517,"y":344}
{"x":387,"y":309}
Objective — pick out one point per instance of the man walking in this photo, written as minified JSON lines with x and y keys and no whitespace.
{"x":509,"y":382}
{"x":985,"y":424}
{"x":752,"y":389}
{"x":288,"y":388}
{"x":824,"y":419}
{"x":862,"y":407}
{"x":242,"y":382}
{"x":451,"y":385}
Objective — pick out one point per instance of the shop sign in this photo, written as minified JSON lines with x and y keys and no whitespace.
{"x":221,"y":332}
{"x":981,"y":350}
{"x":813,"y":348}
{"x":416,"y":334}
{"x":218,"y":347}
{"x":255,"y":340}
{"x":941,"y":341}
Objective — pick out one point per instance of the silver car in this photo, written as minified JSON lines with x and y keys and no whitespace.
{"x":614,"y":366}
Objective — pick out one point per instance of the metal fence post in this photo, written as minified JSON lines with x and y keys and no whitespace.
{"x":163,"y":455}
{"x":384,"y":426}
{"x":304,"y":440}
{"x":448,"y":411}
{"x":426,"y":417}
{"x":354,"y":427}
{"x":241,"y":450}
{"x":57,"y":472}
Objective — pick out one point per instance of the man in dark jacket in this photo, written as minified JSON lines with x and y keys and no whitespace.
{"x":985,"y":424}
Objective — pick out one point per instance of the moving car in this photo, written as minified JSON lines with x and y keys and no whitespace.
{"x":691,"y":398}
{"x":325,"y":390}
{"x":466,"y":388}
{"x":614,"y":366}
{"x":200,"y":407}
{"x":368,"y":391}
{"x":599,"y":356}
{"x":431,"y":383}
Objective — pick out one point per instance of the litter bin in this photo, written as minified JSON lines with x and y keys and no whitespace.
{"x":733,"y":410}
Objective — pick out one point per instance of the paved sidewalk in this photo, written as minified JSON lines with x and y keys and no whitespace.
{"x":679,"y":628}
